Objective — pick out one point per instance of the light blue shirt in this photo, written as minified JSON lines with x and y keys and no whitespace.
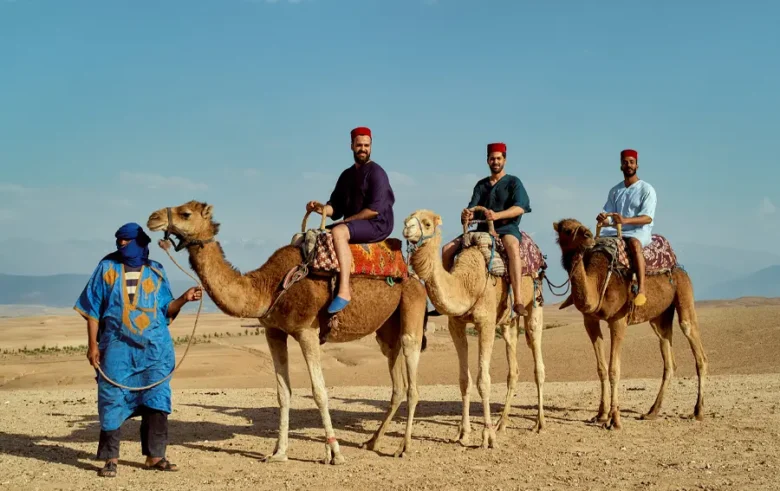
{"x":632,"y":201}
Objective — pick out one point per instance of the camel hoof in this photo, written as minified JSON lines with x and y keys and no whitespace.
{"x":371,"y":444}
{"x":402,"y":451}
{"x":338,"y":459}
{"x":277,"y":457}
{"x":649,"y":416}
{"x":539,"y":426}
{"x":502,"y":424}
{"x":489,"y":439}
{"x":600,"y":418}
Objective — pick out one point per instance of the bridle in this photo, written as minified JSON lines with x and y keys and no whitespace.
{"x":172,"y":231}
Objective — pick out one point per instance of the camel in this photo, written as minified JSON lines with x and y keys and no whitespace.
{"x":396,"y":313}
{"x":469,"y":294}
{"x":589,"y":270}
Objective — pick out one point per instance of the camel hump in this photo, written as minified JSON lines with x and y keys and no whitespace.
{"x":659,"y":255}
{"x":379,"y":259}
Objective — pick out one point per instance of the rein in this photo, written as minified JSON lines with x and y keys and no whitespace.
{"x":172,"y":231}
{"x":189,"y":343}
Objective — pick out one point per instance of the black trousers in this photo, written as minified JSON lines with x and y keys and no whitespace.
{"x":154,"y":435}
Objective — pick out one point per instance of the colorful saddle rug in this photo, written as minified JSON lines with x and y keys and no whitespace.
{"x":659,"y":256}
{"x":381,"y":259}
{"x":496,"y":258}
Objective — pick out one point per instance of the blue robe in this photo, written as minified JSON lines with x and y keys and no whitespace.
{"x":136,"y":348}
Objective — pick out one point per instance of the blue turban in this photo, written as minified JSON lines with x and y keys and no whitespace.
{"x":136,"y":252}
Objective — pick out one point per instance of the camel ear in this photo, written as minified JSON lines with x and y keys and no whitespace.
{"x":206,"y":213}
{"x":437,"y":220}
{"x":555,"y":226}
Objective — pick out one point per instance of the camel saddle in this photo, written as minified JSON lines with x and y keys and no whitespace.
{"x":495,"y":255}
{"x":378,"y":260}
{"x":659,"y":256}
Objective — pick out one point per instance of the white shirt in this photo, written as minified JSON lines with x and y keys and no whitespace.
{"x":632,"y":201}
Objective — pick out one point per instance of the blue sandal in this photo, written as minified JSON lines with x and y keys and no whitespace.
{"x":337,"y":305}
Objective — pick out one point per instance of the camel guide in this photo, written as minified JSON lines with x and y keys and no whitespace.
{"x":127,"y":304}
{"x":631,"y":203}
{"x":364,"y":200}
{"x":507,"y":201}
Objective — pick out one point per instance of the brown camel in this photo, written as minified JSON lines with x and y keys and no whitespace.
{"x":469,"y":294}
{"x":395,"y":313}
{"x":588,"y":271}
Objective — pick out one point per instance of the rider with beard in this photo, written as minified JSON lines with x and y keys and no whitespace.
{"x":364,"y":200}
{"x":506,"y":200}
{"x":631,"y":203}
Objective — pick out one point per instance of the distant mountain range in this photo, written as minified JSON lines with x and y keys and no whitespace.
{"x":62,"y":290}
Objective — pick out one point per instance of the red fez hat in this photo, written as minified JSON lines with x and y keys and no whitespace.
{"x":496,"y":147}
{"x":360,"y":130}
{"x":629,"y":153}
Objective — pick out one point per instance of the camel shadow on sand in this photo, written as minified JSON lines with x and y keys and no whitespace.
{"x":255,"y":422}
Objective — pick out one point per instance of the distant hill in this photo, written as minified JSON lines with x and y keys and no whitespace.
{"x":62,"y":290}
{"x":762,"y":283}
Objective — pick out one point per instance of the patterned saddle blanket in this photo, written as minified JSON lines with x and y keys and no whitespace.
{"x":659,"y":256}
{"x":498,"y":262}
{"x":382,"y":259}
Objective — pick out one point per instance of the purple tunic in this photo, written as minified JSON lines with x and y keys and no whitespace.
{"x":361,"y":188}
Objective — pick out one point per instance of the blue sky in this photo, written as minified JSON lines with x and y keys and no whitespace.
{"x":110,"y":110}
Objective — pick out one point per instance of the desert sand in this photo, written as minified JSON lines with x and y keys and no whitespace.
{"x":225,"y":412}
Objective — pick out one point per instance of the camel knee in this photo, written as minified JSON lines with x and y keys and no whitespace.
{"x":614,"y":374}
{"x":686,"y":328}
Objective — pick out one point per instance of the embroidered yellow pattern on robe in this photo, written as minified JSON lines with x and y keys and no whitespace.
{"x":110,"y":276}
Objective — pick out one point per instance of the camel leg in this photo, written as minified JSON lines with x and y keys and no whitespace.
{"x":458,"y":335}
{"x":593,"y":327}
{"x":662,"y":325}
{"x":534,"y":325}
{"x":277,"y":344}
{"x":396,"y":375}
{"x":510,"y":338}
{"x":617,"y":331}
{"x":689,"y":323}
{"x":487,"y":334}
{"x":310,"y":347}
{"x":411,"y":350}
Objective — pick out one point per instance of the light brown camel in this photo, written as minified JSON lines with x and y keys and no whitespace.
{"x":469,"y":294}
{"x":666,"y":293}
{"x":395,"y":313}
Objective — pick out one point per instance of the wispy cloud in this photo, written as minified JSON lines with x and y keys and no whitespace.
{"x":767,"y":207}
{"x":251,"y":172}
{"x":557,"y":193}
{"x":156,"y":181}
{"x":7,"y":215}
{"x":10,"y":188}
{"x":400,"y":178}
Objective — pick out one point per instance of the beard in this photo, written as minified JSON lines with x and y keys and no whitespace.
{"x":629,"y":173}
{"x":361,"y":157}
{"x":496,"y":168}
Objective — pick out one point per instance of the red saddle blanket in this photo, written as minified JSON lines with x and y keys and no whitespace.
{"x":659,"y":255}
{"x":380,"y":259}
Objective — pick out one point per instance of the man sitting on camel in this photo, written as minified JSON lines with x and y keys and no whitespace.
{"x":631,"y":203}
{"x":506,"y":200}
{"x":364,"y":198}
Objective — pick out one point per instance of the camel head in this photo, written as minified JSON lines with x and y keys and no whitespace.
{"x":572,"y":237}
{"x":421,"y":226}
{"x":190,"y":222}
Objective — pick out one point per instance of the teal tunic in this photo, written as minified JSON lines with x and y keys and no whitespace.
{"x":506,"y":193}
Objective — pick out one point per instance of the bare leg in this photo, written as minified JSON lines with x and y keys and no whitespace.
{"x":663,"y":329}
{"x":534,"y":325}
{"x":411,"y":350}
{"x":617,"y":330}
{"x":448,"y":253}
{"x":458,"y":335}
{"x":344,"y":256}
{"x":593,"y":328}
{"x":510,"y":338}
{"x":310,"y":347}
{"x":396,"y":375}
{"x":512,"y":246}
{"x":638,"y":258}
{"x":689,"y":323}
{"x":277,"y":344}
{"x":487,"y":334}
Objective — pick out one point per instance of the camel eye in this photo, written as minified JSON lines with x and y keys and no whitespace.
{"x":185,"y":215}
{"x":427,"y":223}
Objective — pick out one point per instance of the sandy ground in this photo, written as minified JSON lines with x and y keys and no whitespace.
{"x":225,"y":413}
